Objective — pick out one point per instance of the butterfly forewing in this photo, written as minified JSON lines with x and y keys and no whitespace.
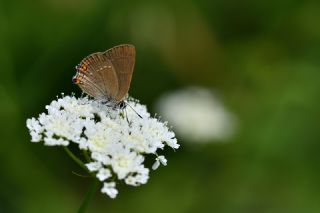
{"x":96,"y":76}
{"x":122,"y":58}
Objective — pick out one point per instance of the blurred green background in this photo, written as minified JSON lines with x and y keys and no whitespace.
{"x":261,"y":56}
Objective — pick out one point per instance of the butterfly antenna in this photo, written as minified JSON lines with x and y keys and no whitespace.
{"x":126,"y":114}
{"x":134,"y":110}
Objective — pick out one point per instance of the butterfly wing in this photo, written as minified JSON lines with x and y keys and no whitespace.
{"x":96,"y":76}
{"x":122,"y":58}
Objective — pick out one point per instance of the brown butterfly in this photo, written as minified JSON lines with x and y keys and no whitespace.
{"x":106,"y":76}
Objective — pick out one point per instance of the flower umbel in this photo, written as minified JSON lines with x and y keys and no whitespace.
{"x":198,"y":115}
{"x":116,"y":140}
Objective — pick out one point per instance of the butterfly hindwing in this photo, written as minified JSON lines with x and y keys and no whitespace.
{"x":122,"y":58}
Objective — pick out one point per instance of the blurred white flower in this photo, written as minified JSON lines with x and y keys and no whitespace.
{"x":197,"y":115}
{"x":117,"y":147}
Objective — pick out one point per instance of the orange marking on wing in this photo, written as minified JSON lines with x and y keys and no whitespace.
{"x":78,"y":79}
{"x":83,"y":68}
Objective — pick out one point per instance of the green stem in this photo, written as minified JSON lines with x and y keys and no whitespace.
{"x":90,"y":194}
{"x":94,"y":186}
{"x":86,"y":156}
{"x":76,"y":159}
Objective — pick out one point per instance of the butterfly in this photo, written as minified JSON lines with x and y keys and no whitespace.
{"x":106,"y":76}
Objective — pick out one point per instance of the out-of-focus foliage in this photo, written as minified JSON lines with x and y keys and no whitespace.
{"x":261,"y":57}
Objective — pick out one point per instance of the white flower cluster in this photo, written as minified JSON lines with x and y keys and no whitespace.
{"x":197,"y":115}
{"x":117,"y":140}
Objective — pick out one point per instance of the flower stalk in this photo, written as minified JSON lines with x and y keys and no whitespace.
{"x":94,"y":185}
{"x":76,"y":159}
{"x":89,"y":196}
